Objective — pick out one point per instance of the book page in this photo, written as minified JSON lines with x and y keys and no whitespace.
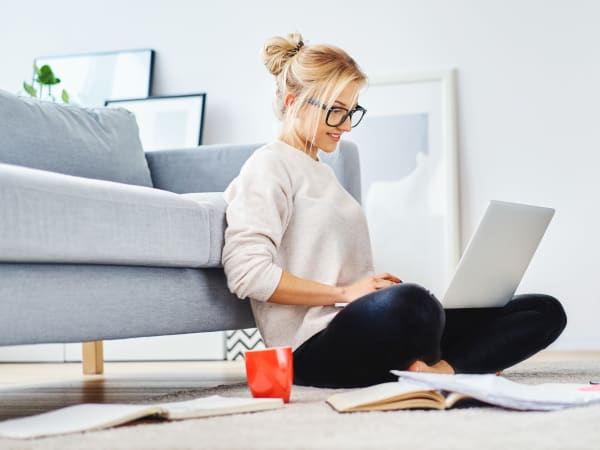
{"x":75,"y":418}
{"x":217,"y":405}
{"x":408,"y":403}
{"x":381,"y":396}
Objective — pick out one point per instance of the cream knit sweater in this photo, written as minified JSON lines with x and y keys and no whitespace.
{"x":287,"y":211}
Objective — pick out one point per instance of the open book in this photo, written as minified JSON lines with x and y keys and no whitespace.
{"x":93,"y":416}
{"x":437,"y":391}
{"x":391,"y":396}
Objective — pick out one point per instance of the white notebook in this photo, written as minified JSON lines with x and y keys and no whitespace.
{"x":94,"y":416}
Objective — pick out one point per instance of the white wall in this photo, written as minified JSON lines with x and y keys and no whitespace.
{"x":528,"y":93}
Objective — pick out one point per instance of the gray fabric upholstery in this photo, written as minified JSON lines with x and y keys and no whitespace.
{"x":100,"y":143}
{"x":56,"y":218}
{"x":209,"y":168}
{"x":46,"y":303}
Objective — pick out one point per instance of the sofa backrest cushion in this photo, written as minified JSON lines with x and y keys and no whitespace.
{"x":100,"y":143}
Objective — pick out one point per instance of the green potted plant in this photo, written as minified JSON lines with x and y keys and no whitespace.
{"x":44,"y":77}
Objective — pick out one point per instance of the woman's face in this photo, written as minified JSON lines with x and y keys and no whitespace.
{"x":326,"y":137}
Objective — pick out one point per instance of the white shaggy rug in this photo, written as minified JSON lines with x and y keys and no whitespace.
{"x":308,"y":422}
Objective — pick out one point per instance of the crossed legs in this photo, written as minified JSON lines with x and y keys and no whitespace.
{"x":404,"y":326}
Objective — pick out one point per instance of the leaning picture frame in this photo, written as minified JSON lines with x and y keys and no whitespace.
{"x":169,"y":121}
{"x":92,"y":78}
{"x":408,"y":153}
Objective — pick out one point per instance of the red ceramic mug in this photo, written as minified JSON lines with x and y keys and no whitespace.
{"x":270,"y":372}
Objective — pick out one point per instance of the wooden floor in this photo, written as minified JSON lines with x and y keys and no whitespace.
{"x":27,"y":389}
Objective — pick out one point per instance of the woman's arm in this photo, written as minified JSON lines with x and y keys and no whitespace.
{"x":292,"y":290}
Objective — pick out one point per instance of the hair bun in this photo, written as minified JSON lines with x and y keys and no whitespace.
{"x":278,"y":50}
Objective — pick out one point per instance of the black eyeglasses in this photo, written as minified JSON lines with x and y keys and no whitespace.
{"x":337,"y":115}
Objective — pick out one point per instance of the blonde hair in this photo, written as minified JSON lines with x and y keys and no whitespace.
{"x":318,"y":72}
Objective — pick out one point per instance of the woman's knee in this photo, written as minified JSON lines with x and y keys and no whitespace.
{"x":550,"y":309}
{"x":403,"y":321}
{"x":427,"y":320}
{"x":410,"y":299}
{"x":554,"y":311}
{"x":404,"y":311}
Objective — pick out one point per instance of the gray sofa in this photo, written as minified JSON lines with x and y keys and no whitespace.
{"x":99,"y":240}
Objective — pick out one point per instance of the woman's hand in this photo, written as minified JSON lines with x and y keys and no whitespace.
{"x":368,"y":285}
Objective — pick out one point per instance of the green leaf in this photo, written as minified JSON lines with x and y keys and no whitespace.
{"x":46,"y":76}
{"x":64,"y":96}
{"x":36,"y":69}
{"x":29,"y":89}
{"x":45,"y":70}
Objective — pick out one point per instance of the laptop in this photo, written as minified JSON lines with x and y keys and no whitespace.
{"x":497,"y":255}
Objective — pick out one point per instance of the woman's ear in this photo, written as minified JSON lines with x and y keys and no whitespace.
{"x":289,"y":100}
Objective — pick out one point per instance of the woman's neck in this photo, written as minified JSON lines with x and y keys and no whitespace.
{"x":294,"y":140}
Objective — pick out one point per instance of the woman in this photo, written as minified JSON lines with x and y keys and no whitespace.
{"x":297,"y":243}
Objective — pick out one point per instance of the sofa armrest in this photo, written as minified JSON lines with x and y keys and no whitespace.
{"x":49,"y":217}
{"x":206,"y":168}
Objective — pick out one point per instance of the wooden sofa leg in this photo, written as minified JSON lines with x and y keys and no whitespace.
{"x":93,"y":358}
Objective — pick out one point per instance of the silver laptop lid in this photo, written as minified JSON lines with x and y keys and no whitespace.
{"x":497,"y":255}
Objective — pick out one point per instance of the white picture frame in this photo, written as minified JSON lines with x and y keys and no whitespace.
{"x":92,"y":78}
{"x":168,"y":121}
{"x":409,"y":175}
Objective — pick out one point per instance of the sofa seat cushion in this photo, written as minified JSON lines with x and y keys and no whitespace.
{"x":101,"y":143}
{"x":48,"y":217}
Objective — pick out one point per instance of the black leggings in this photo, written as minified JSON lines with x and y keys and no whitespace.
{"x":392,"y":327}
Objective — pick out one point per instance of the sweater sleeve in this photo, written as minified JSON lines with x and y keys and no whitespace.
{"x":259,"y":207}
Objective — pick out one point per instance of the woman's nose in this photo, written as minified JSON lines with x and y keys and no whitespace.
{"x":346,"y":125}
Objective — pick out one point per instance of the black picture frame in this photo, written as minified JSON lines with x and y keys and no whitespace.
{"x":157,"y":135}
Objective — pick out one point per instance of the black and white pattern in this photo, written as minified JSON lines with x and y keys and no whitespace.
{"x":239,"y":341}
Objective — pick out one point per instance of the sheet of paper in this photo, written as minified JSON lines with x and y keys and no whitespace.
{"x":503,"y":392}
